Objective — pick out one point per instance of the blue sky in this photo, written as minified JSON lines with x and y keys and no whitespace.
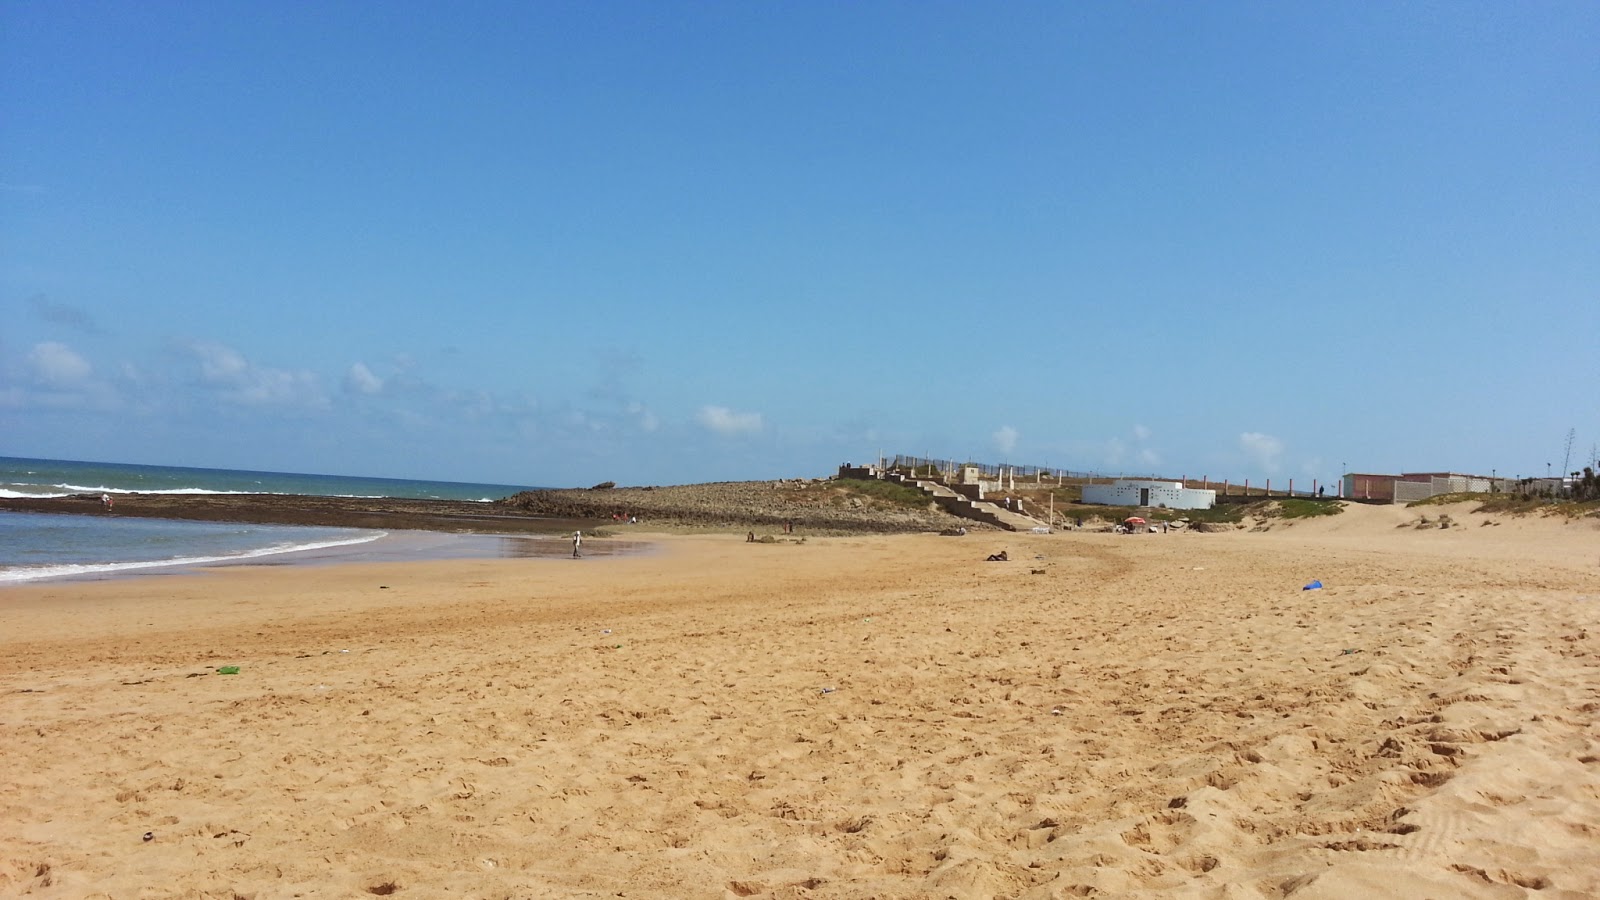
{"x":560,"y":243}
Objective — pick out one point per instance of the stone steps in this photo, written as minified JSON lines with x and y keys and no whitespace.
{"x":967,"y":508}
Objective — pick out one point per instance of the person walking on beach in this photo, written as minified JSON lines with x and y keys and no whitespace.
{"x":577,"y":543}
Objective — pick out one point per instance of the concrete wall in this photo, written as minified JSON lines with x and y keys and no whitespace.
{"x":1171,"y":494}
{"x":1421,"y":487}
{"x":1370,"y":487}
{"x":1409,"y":491}
{"x":1412,"y":486}
{"x":1451,"y":482}
{"x":970,"y":491}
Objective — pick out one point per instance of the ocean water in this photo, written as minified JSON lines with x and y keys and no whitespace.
{"x":35,"y":546}
{"x":59,"y":478}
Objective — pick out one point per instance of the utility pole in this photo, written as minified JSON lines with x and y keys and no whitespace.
{"x":1566,"y":461}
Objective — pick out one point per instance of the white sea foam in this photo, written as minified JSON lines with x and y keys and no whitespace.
{"x":37,"y":573}
{"x":67,"y":490}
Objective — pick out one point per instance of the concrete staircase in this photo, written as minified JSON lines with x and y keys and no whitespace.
{"x":967,"y":508}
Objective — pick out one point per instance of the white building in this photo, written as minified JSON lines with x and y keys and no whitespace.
{"x":1133,"y":492}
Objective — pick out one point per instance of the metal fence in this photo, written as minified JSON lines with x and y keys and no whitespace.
{"x":986,"y":470}
{"x":923,"y":466}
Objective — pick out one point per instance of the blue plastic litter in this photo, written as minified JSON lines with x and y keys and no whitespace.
{"x":1313,"y":586}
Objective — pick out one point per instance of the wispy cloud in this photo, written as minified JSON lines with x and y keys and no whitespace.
{"x":1005,"y":440}
{"x":52,"y":375}
{"x":360,"y":380}
{"x":1264,"y":449}
{"x":1145,"y":455}
{"x":234,"y":378}
{"x":725,"y":421}
{"x":643,"y":417}
{"x":58,"y":365}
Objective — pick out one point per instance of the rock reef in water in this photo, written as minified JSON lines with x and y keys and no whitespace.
{"x":812,"y":506}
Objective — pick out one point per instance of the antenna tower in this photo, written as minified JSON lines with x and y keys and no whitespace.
{"x":1566,"y":461}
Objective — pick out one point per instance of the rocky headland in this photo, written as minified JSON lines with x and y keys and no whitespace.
{"x":811,"y":505}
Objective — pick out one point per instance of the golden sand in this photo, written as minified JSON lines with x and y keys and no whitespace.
{"x":1107,"y":716}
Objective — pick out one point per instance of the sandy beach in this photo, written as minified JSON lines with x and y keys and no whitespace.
{"x":845,"y":717}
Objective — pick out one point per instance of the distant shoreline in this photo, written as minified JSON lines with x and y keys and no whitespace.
{"x":380,"y":513}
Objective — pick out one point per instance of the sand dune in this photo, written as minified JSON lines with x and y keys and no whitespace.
{"x":1108,"y":716}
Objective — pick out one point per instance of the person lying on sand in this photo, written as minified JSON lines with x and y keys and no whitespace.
{"x":998,"y":557}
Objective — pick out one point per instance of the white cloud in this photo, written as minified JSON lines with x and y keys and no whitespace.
{"x":643,"y":417}
{"x":1005,"y":440}
{"x":1144,"y":455}
{"x":58,"y":365}
{"x":1264,"y":449}
{"x":219,"y":364}
{"x":237,"y":380}
{"x":727,"y":422}
{"x":278,"y":386}
{"x":360,"y":380}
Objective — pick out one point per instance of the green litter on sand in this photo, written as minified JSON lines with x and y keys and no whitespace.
{"x":227,"y":670}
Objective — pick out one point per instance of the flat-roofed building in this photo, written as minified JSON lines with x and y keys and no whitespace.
{"x":1138,"y":492}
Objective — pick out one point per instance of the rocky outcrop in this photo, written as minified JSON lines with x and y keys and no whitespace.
{"x":296,"y":509}
{"x":813,"y":506}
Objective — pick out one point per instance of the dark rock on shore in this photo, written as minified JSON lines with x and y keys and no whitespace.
{"x":816,"y":507}
{"x":383,"y":513}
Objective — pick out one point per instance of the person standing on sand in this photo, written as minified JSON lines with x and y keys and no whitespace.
{"x":577,"y":543}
